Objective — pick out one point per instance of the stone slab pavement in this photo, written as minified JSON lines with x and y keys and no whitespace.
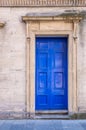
{"x":42,"y":124}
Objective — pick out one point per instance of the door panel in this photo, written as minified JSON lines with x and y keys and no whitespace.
{"x":51,"y":73}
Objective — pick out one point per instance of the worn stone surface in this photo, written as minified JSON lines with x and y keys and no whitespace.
{"x":13,"y":61}
{"x":81,"y":67}
{"x":59,"y":13}
{"x":42,"y":124}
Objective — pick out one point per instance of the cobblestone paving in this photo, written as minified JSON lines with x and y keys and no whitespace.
{"x":42,"y":124}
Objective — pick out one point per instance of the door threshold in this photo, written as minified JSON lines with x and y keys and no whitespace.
{"x":60,"y":114}
{"x":52,"y":116}
{"x":52,"y":112}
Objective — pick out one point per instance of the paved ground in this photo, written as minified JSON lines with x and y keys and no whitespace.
{"x":42,"y":124}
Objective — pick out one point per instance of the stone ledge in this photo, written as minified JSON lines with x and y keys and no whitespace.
{"x":27,"y":115}
{"x":65,"y":15}
{"x":14,"y":115}
{"x":78,"y":116}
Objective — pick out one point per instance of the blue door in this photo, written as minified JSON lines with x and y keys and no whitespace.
{"x":51,"y":73}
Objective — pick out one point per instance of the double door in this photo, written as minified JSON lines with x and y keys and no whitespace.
{"x":51,"y":74}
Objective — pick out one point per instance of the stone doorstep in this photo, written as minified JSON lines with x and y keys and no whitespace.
{"x":26,"y":115}
{"x":52,"y":116}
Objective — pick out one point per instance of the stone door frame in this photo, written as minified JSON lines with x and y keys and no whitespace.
{"x":54,"y":26}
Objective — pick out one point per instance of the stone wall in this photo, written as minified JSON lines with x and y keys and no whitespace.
{"x":81,"y":67}
{"x":13,"y":59}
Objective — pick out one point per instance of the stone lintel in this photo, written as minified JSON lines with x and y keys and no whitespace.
{"x":51,"y":18}
{"x":70,"y":15}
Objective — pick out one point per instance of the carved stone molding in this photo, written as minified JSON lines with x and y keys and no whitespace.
{"x":51,"y":3}
{"x":52,"y":18}
{"x":53,"y":24}
{"x":68,"y":16}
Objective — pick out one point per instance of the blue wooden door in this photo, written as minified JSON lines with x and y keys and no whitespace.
{"x":51,"y":73}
